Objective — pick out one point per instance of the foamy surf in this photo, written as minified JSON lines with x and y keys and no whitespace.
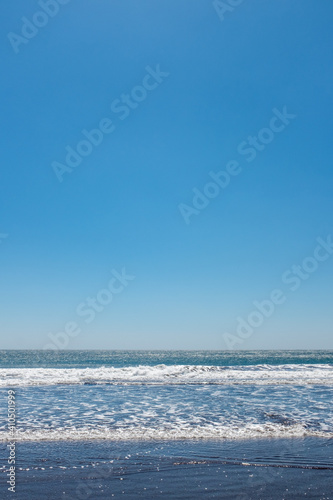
{"x":182,"y":431}
{"x":170,"y":375}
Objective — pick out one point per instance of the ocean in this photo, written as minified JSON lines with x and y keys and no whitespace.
{"x":136,"y":414}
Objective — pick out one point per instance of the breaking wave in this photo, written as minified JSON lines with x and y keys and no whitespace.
{"x":180,"y":431}
{"x":170,"y":375}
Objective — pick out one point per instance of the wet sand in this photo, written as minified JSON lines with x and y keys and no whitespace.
{"x":238,"y":470}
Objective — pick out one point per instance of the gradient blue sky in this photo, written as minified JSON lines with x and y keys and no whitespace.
{"x":119,"y":207}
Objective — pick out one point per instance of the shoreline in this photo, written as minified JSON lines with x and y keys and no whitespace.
{"x":242,"y":470}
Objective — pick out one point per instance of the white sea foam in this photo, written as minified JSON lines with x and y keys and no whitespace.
{"x":178,"y":432}
{"x":174,"y":374}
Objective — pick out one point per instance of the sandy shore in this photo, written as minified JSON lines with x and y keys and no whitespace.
{"x":255,"y":469}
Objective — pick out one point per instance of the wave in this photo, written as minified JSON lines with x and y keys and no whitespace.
{"x":171,"y":432}
{"x":169,"y":375}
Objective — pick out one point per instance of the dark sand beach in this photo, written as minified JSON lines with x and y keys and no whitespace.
{"x":239,"y":470}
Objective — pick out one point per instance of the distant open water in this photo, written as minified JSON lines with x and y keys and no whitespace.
{"x":167,"y":395}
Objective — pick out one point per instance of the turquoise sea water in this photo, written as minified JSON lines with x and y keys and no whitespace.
{"x":83,"y":359}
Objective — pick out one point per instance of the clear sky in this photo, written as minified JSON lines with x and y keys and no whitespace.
{"x":180,"y":89}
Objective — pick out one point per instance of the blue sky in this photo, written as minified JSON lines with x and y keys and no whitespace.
{"x":119,"y":208}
